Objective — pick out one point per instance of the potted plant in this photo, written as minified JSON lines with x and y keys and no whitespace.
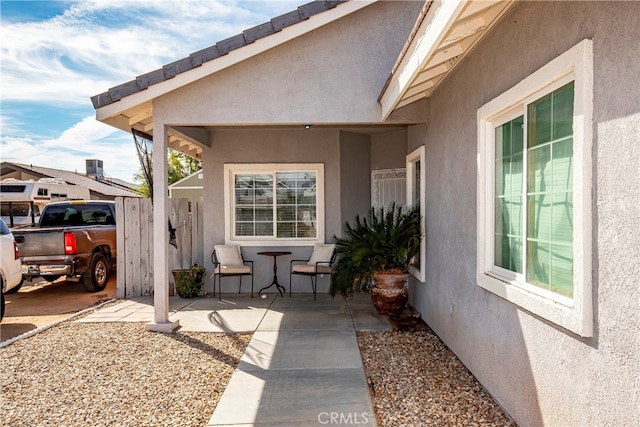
{"x":378,"y":250}
{"x":189,"y":281}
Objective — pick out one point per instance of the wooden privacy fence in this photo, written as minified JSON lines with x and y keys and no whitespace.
{"x":134,"y":218}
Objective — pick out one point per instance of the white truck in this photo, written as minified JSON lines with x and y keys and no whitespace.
{"x":22,"y":201}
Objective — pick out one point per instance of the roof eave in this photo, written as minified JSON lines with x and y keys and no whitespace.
{"x":447,"y":33}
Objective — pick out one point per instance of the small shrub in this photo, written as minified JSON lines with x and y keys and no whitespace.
{"x":189,"y":281}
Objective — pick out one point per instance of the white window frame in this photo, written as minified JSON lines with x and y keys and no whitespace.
{"x":574,"y":314}
{"x":231,"y":169}
{"x":417,"y":155}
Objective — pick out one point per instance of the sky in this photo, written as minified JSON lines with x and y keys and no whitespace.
{"x":55,"y":55}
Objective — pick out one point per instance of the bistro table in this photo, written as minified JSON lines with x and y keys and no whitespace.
{"x":275,"y":255}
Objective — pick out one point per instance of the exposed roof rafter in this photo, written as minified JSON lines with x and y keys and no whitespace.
{"x":444,"y":33}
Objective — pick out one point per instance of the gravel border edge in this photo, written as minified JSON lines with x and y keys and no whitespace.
{"x":51,"y":325}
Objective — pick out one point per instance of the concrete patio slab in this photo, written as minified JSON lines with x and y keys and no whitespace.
{"x":301,"y":349}
{"x":293,"y":397}
{"x":302,"y":366}
{"x":225,"y":321}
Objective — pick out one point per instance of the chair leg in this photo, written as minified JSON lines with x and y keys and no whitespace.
{"x":219,"y":288}
{"x":252,"y":284}
{"x":240,"y":286}
{"x":314,"y":285}
{"x":289,"y":283}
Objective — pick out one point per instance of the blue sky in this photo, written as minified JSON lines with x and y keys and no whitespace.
{"x":55,"y":55}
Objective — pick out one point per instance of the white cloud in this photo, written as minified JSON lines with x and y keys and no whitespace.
{"x":88,"y":139}
{"x":94,"y":45}
{"x":97,"y":44}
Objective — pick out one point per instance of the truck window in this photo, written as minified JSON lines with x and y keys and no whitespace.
{"x":53,"y":216}
{"x":76,"y":215}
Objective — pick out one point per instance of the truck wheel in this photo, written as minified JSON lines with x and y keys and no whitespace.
{"x":2,"y":306}
{"x":15,"y":289}
{"x":96,"y":277}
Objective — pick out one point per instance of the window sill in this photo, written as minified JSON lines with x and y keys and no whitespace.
{"x":571,"y":314}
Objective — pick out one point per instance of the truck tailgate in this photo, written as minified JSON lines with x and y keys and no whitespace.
{"x":40,"y":242}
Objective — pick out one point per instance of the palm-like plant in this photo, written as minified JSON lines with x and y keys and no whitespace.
{"x":386,"y":240}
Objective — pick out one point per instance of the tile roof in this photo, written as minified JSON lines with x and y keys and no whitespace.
{"x":106,"y":186}
{"x":221,"y":48}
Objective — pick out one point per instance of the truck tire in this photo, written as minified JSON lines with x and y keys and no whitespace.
{"x":1,"y":305}
{"x":96,"y":277}
{"x":15,"y":289}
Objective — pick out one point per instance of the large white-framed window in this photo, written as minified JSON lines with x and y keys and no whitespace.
{"x":534,"y":192}
{"x":274,"y":204}
{"x":415,"y":186}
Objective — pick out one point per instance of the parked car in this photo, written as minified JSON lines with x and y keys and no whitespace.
{"x":73,"y":239}
{"x":10,"y":265}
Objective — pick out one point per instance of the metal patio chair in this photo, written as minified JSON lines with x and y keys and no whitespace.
{"x":320,"y":262}
{"x":227,"y":261}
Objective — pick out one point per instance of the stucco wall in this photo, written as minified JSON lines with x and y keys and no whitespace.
{"x":269,"y":146}
{"x":541,"y":373}
{"x":389,"y":149}
{"x":355,"y":177}
{"x":332,"y":75}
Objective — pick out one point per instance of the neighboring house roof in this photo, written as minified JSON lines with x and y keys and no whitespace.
{"x":191,"y":184}
{"x":129,"y":105}
{"x":190,"y":181}
{"x":444,"y":33}
{"x":111,"y":187}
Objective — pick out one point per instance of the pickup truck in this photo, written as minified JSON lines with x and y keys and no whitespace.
{"x":73,"y":239}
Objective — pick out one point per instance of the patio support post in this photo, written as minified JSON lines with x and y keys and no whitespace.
{"x":161,"y":322}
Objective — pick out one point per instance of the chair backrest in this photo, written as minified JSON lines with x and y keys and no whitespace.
{"x":322,"y":252}
{"x":229,"y":255}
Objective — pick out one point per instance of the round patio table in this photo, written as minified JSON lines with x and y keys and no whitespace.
{"x":275,"y":255}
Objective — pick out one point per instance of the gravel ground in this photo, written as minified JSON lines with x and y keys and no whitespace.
{"x":415,"y":380}
{"x":119,"y":374}
{"x":115,"y":374}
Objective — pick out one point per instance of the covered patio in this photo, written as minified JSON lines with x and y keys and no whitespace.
{"x":314,"y":124}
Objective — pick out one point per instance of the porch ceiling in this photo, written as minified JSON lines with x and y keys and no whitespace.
{"x":189,"y":140}
{"x":445,"y":32}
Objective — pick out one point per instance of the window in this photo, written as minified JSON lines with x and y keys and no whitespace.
{"x":534,"y":152}
{"x":415,"y":176}
{"x":274,"y":204}
{"x":388,"y":186}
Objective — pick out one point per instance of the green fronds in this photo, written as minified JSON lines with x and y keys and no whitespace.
{"x":386,"y":239}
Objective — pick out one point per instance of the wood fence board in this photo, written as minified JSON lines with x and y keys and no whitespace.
{"x":146,"y":247}
{"x":120,"y":261}
{"x":128,"y":272}
{"x":135,"y":243}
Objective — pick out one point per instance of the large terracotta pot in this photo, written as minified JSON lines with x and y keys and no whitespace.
{"x":390,"y":293}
